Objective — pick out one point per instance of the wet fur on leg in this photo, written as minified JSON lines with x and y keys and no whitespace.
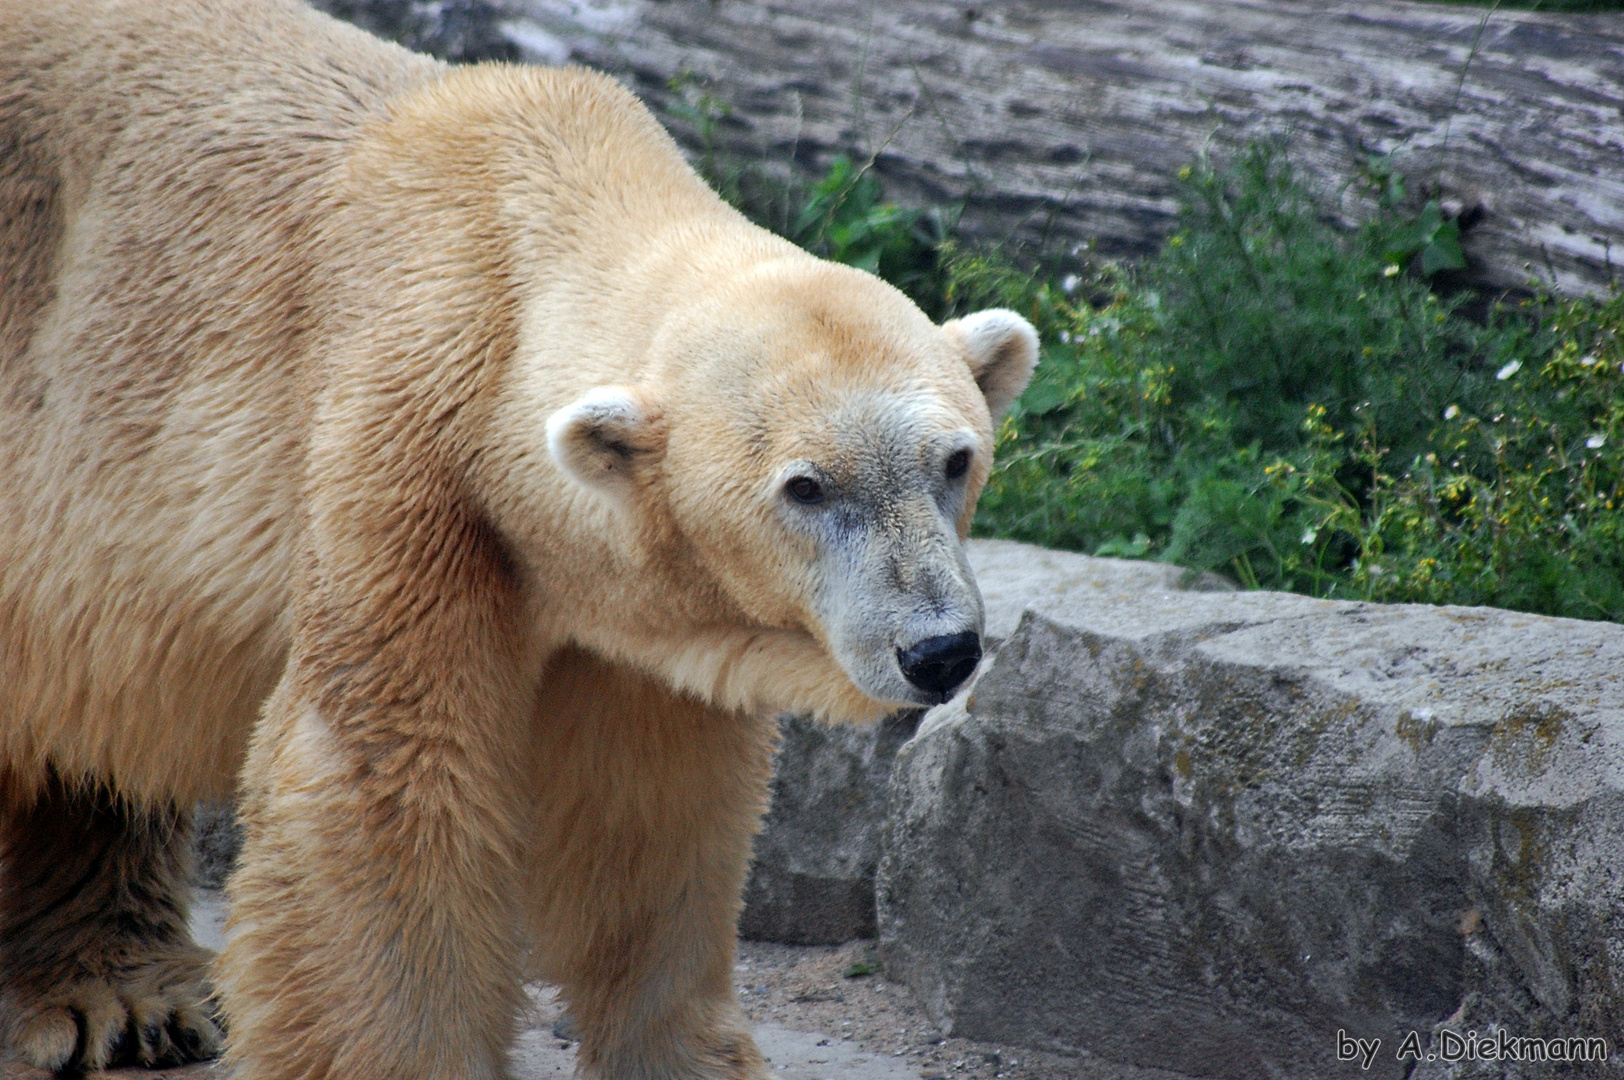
{"x":97,"y":966}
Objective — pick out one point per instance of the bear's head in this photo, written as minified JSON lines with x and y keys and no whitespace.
{"x":799,"y":461}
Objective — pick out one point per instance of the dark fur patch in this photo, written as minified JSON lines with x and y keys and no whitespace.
{"x":93,"y":889}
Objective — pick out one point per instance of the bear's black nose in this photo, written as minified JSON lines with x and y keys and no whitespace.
{"x":939,"y":664}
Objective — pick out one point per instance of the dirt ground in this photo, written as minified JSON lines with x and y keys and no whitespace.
{"x":806,"y":988}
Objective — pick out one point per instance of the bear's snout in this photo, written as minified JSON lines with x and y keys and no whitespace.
{"x":938,"y":665}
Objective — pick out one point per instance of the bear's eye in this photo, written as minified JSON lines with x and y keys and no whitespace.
{"x":804,"y":489}
{"x":958,"y":463}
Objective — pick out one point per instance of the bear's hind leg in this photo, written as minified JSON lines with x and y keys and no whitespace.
{"x":97,"y":966}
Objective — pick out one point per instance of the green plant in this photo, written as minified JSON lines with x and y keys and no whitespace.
{"x":843,"y":217}
{"x":1291,"y":403}
{"x":1169,"y":400}
{"x":1430,"y":242}
{"x":1521,"y":503}
{"x":1265,"y":308}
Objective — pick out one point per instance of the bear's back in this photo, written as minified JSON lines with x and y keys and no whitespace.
{"x":131,"y":113}
{"x":164,"y":174}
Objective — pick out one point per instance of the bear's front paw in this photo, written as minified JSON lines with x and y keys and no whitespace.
{"x":155,"y":1014}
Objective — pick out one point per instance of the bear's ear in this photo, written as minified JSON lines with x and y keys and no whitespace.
{"x":1003,"y":350}
{"x":606,"y":438}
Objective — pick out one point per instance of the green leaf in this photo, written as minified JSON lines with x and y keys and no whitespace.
{"x":1443,"y":252}
{"x":1124,"y":549}
{"x":1429,"y":221}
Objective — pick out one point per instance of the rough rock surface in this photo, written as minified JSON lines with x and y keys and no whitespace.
{"x":812,"y":877}
{"x":461,"y":31}
{"x":1064,"y":121}
{"x":1205,"y":832}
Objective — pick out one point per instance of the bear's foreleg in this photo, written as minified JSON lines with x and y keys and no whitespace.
{"x":97,"y":966}
{"x":647,"y":801}
{"x":373,"y":928}
{"x":374,"y":923}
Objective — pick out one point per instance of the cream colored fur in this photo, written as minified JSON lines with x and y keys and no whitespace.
{"x":414,"y":440}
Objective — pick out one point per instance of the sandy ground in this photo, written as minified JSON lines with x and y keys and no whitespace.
{"x":815,"y":1018}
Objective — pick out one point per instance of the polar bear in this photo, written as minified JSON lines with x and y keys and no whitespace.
{"x":427,"y":455}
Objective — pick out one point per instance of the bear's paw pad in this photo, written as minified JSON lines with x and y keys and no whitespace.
{"x":98,"y":1023}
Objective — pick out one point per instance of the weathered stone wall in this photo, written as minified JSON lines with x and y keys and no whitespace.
{"x":812,"y":876}
{"x":1206,"y":831}
{"x":1064,"y":121}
